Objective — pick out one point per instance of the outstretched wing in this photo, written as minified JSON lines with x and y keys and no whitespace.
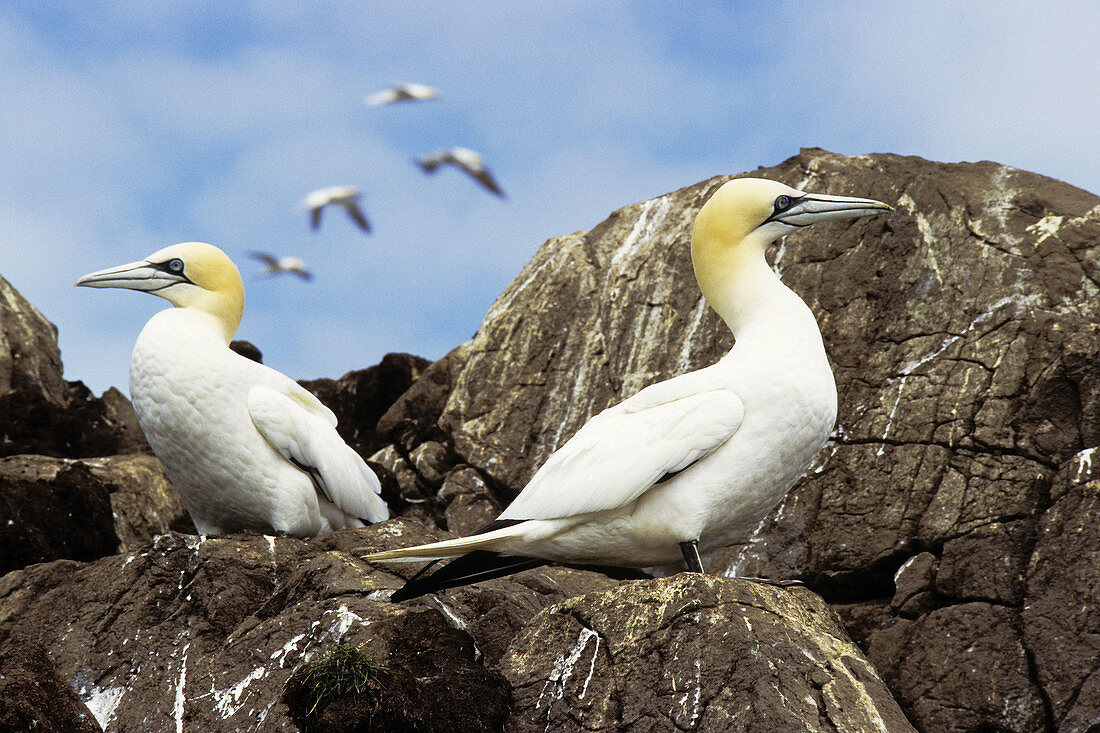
{"x":303,"y":431}
{"x":626,"y":449}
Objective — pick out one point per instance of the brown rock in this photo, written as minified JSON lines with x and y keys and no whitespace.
{"x":361,"y":397}
{"x":962,"y":329}
{"x":647,"y":656}
{"x":208,"y":631}
{"x":142,"y":499}
{"x":83,"y":509}
{"x":52,"y":509}
{"x":960,"y":668}
{"x":30,"y":360}
{"x":33,"y":698}
{"x":413,"y":417}
{"x":469,"y":503}
{"x":1061,"y":613}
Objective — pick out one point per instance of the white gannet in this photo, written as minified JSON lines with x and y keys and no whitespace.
{"x":275,"y":265}
{"x":694,"y":463}
{"x":346,"y":196}
{"x":464,"y":158}
{"x":401,"y":93}
{"x":246,"y":446}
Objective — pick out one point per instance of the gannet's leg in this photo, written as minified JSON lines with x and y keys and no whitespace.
{"x":691,"y":556}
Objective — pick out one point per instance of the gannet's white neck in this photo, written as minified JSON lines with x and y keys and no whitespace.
{"x":741,"y":287}
{"x":732,"y":231}
{"x":219,"y":310}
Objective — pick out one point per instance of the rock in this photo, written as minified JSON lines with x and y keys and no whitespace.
{"x":431,"y":684}
{"x":962,"y":328}
{"x":469,"y":503}
{"x":1061,"y":614}
{"x":248,"y":350}
{"x":960,"y":668}
{"x":48,"y":512}
{"x":431,"y":461}
{"x":33,"y":698}
{"x":913,"y":586}
{"x":409,"y":485}
{"x":54,"y":508}
{"x":208,"y":630}
{"x":413,"y":418}
{"x":143,"y":501}
{"x":361,"y":397}
{"x":39,"y":411}
{"x":30,"y":360}
{"x":698,"y":653}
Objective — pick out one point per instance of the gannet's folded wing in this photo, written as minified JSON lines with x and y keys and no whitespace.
{"x":620,"y":453}
{"x":306,"y":436}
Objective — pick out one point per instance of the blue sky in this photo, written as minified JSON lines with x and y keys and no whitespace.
{"x":126,"y":127}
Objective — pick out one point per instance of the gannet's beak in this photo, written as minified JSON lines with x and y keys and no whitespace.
{"x":141,"y":275}
{"x":811,"y":208}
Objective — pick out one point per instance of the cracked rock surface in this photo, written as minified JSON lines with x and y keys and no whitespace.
{"x":949,"y":523}
{"x":964,"y":332}
{"x":694,"y":652}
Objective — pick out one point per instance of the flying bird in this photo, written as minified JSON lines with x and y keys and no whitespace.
{"x":692,"y":464}
{"x":275,"y":265}
{"x":246,"y":447}
{"x":401,"y":93}
{"x":464,"y":158}
{"x":346,"y":196}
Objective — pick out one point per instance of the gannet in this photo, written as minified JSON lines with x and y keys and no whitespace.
{"x":275,"y":265}
{"x":246,"y":446}
{"x":401,"y":93}
{"x":346,"y":196}
{"x":692,"y":464}
{"x":464,"y":158}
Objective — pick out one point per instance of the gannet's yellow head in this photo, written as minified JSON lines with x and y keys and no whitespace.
{"x":745,"y":215}
{"x":188,"y":275}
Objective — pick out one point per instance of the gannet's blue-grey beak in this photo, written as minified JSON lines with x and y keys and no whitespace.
{"x":141,"y":275}
{"x":810,"y":208}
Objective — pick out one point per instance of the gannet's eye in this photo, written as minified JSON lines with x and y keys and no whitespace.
{"x":782,"y":203}
{"x":175,"y":265}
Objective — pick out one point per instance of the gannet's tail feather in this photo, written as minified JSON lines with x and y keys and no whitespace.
{"x":473,"y":567}
{"x":484,"y":539}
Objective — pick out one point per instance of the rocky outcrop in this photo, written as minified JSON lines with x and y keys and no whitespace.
{"x":30,"y":359}
{"x":52,"y":508}
{"x":205,"y":633}
{"x":946,"y":522}
{"x":963,"y":332}
{"x":34,"y":698}
{"x":695,"y":652}
{"x":41,"y":413}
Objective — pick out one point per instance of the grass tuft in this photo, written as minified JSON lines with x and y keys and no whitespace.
{"x":345,"y":670}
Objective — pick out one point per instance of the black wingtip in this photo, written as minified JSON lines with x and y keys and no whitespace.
{"x":470,"y":568}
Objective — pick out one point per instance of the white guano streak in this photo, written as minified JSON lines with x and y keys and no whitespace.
{"x":563,"y":670}
{"x":177,"y":708}
{"x":908,"y":368}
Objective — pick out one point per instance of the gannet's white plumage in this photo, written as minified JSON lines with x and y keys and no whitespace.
{"x":465,"y":159}
{"x":345,"y":196}
{"x":276,"y":265}
{"x":401,"y":93}
{"x":695,"y":462}
{"x":246,"y":446}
